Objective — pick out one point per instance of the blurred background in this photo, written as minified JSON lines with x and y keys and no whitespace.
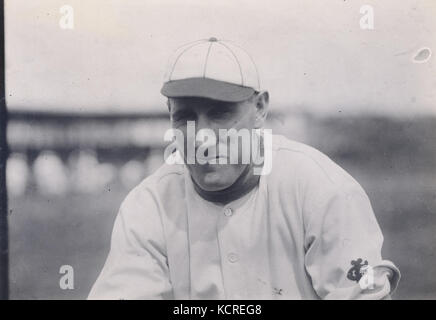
{"x":86,"y":119}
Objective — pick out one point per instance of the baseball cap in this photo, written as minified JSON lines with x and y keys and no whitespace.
{"x":211,"y":68}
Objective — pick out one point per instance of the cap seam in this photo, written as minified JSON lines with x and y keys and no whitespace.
{"x":252,"y":61}
{"x":237,"y":61}
{"x":207,"y":57}
{"x":178,"y":57}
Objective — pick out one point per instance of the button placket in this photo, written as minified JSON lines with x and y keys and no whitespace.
{"x":231,"y":259}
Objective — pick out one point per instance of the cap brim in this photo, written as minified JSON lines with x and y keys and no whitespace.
{"x":206,"y":88}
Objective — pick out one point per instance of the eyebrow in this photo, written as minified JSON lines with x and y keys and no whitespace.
{"x":220,"y":111}
{"x":222,"y":107}
{"x":215,"y":108}
{"x":180,"y":113}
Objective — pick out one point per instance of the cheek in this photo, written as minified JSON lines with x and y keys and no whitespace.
{"x":181,"y":138}
{"x":247,"y":120}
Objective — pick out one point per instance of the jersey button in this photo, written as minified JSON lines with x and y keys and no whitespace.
{"x":233,"y":257}
{"x":228,"y":212}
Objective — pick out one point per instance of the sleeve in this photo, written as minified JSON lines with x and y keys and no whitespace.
{"x":136,"y":267}
{"x":343,"y":244}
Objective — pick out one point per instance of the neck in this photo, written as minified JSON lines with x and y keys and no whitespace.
{"x":246,"y":182}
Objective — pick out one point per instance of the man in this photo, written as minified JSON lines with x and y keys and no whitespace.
{"x":303,"y":229}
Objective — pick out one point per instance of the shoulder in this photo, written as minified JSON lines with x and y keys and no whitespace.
{"x":157,"y":187}
{"x":320,"y":185}
{"x":306,"y":164}
{"x":312,"y":177}
{"x":140,"y":212}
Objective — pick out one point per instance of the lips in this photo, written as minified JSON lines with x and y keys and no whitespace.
{"x":214,"y":159}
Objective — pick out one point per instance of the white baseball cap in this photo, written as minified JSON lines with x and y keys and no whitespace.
{"x":211,"y":68}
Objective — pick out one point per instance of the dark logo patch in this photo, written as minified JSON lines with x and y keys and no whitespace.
{"x":357,"y":270}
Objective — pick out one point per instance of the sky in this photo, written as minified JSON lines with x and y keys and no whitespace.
{"x":312,"y":56}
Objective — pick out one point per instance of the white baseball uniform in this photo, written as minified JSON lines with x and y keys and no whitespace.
{"x":307,"y":231}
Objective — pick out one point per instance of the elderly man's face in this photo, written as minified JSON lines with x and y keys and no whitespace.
{"x":214,"y":115}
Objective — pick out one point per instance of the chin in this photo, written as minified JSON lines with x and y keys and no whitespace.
{"x":213,"y":181}
{"x":215,"y":177}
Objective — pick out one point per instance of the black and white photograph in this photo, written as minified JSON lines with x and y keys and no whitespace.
{"x":218,"y":150}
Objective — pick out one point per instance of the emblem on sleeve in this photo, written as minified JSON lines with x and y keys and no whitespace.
{"x":358,"y":270}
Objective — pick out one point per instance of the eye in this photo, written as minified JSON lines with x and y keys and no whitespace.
{"x":183,"y":116}
{"x":221,"y":112}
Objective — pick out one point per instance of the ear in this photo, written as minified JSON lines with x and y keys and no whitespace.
{"x":261,"y":101}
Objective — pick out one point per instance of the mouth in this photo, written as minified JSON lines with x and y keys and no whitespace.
{"x":211,"y":159}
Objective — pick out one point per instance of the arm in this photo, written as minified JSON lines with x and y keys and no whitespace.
{"x":136,"y":267}
{"x":343,"y":239}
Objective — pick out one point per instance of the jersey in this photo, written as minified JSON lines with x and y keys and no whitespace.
{"x":307,"y":231}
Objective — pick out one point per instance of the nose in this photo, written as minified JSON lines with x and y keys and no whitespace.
{"x":202,"y":122}
{"x":203,"y":127}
